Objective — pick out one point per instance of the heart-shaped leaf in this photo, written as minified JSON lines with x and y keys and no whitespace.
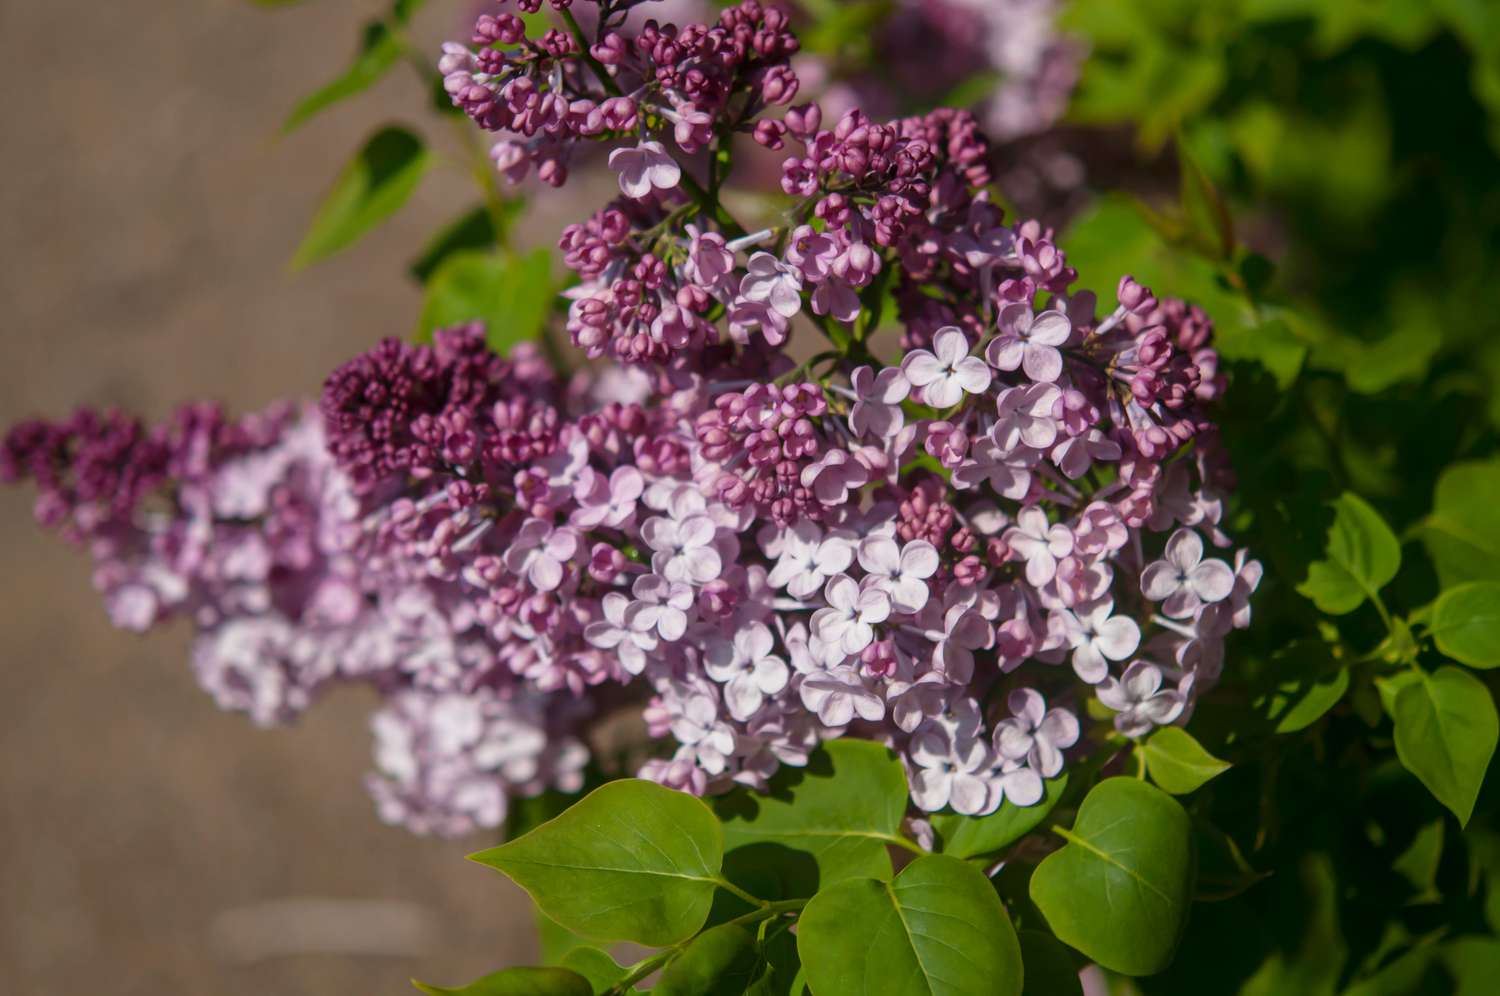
{"x":519,"y":982}
{"x":1466,"y":623}
{"x":632,"y":861}
{"x":842,"y":810}
{"x":971,"y":836}
{"x":1177,"y":762}
{"x":1119,"y":891}
{"x":1446,"y":729}
{"x":937,"y":929}
{"x":1362,"y":555}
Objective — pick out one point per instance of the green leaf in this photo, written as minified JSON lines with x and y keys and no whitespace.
{"x":474,"y":230}
{"x":721,"y":961}
{"x":971,"y":836}
{"x":596,"y":966}
{"x":1119,"y":891}
{"x":632,"y":861}
{"x":841,"y":810}
{"x":1466,"y":623}
{"x":1177,"y":762}
{"x":1463,"y":531}
{"x":1049,"y":966}
{"x":518,"y":982}
{"x":1362,"y":556}
{"x":938,"y":929}
{"x":1391,"y":686}
{"x":379,"y":50}
{"x":1446,"y":729}
{"x":510,"y":295}
{"x":1299,"y":702}
{"x":1474,"y":962}
{"x":372,"y":187}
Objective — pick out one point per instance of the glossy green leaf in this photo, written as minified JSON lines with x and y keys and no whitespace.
{"x":1362,"y":555}
{"x":1463,"y":531}
{"x":1050,"y":968}
{"x":971,"y":836}
{"x":1177,"y":762}
{"x":1446,"y":729}
{"x":1296,"y":705}
{"x":632,"y":861}
{"x":1119,"y":890}
{"x":1466,"y":623}
{"x":937,"y":929}
{"x":721,"y":961}
{"x":841,"y":810}
{"x":373,"y":186}
{"x":511,"y":295}
{"x":379,"y":50}
{"x":519,"y":982}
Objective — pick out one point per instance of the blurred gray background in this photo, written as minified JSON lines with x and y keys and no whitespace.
{"x":149,"y":843}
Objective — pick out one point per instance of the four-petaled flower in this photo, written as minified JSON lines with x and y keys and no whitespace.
{"x":1183,"y":580}
{"x":1041,"y":545}
{"x":539,"y":553}
{"x":808,"y":559}
{"x":644,"y":168}
{"x":770,"y":282}
{"x":1138,"y":700}
{"x":684,"y":548}
{"x":847,"y":625}
{"x":614,"y":632}
{"x":948,"y":372}
{"x":900,"y":572}
{"x":1035,"y":734}
{"x":1096,"y":637}
{"x":878,"y":410}
{"x":747,"y":669}
{"x":948,"y":771}
{"x":1030,"y":341}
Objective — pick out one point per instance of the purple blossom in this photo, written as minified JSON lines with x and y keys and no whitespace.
{"x":946,"y":375}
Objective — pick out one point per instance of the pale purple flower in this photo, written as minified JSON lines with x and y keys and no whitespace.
{"x":1012,"y":780}
{"x":747,"y":669}
{"x":539,"y":553}
{"x":1076,"y":454}
{"x":878,"y":410}
{"x":646,"y":167}
{"x":1247,"y":575}
{"x":965,"y":630}
{"x":847,"y":625}
{"x":1183,"y":580}
{"x":1039,"y":543}
{"x":1097,"y":637}
{"x":1026,"y":415}
{"x":838,"y":694}
{"x":1030,"y":341}
{"x":807,"y":559}
{"x":1005,"y":470}
{"x":834,"y":475}
{"x":946,"y":770}
{"x":1139,"y":701}
{"x":1035,"y":734}
{"x":837,"y":298}
{"x":948,"y":372}
{"x":631,"y":644}
{"x":771,"y":282}
{"x":608,"y":501}
{"x":660,"y":605}
{"x":684,"y":548}
{"x":900,"y":572}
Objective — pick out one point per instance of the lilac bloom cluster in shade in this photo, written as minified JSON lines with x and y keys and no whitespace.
{"x":951,"y":552}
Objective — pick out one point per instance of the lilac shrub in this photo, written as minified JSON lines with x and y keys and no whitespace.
{"x":747,"y":517}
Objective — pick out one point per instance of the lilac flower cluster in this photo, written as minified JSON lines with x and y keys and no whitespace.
{"x":954,"y":551}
